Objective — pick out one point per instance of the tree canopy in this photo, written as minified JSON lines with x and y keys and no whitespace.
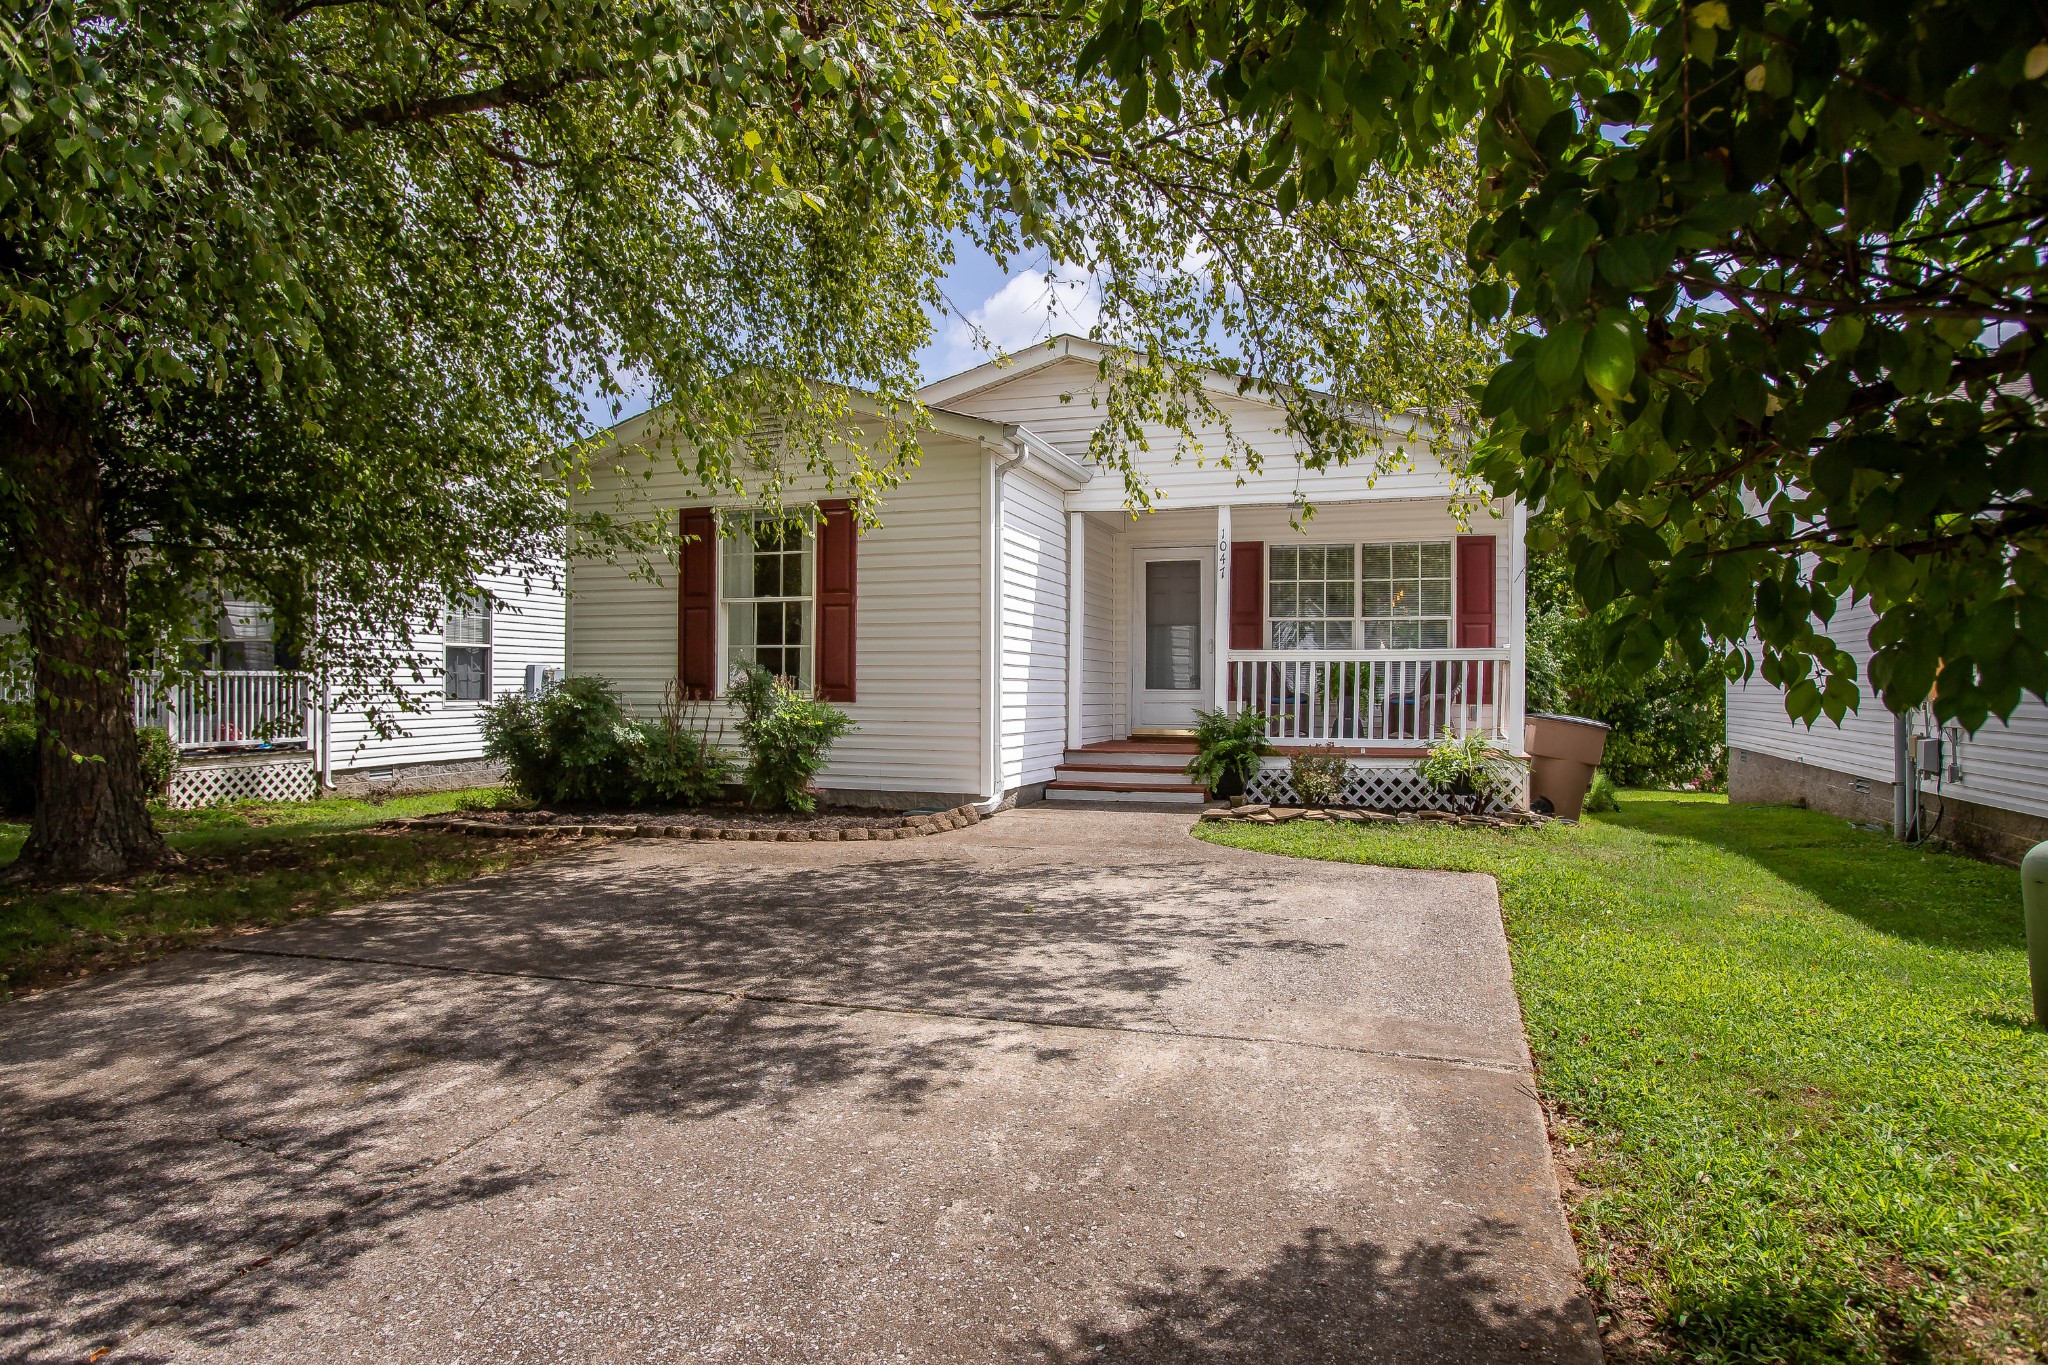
{"x":1770,"y":273}
{"x":304,"y":297}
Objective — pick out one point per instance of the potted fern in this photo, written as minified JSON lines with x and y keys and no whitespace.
{"x":1468,"y":769}
{"x":1228,"y":749}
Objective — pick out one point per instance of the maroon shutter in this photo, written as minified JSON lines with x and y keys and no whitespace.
{"x":838,"y":557}
{"x":1475,"y":592}
{"x":697,"y":603}
{"x":1474,"y":620}
{"x":1247,"y":594}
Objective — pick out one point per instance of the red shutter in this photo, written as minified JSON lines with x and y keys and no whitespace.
{"x":1474,"y":607}
{"x":1247,"y":594}
{"x":697,"y":603}
{"x":838,"y":557}
{"x":1475,"y":592}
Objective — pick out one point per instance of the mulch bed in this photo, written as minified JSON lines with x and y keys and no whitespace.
{"x":825,"y":826}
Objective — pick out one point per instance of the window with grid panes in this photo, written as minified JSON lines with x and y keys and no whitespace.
{"x":1311,"y":596}
{"x":767,"y":586}
{"x":1405,"y":595}
{"x":466,"y":641}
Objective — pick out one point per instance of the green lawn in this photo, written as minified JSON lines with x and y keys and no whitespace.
{"x":246,"y":865}
{"x":1795,"y":1082}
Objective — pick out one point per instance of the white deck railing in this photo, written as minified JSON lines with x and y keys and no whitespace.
{"x":228,"y":709}
{"x":1392,"y":697}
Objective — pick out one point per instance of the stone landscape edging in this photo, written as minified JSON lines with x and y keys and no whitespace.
{"x":1258,"y":813}
{"x":913,"y":827}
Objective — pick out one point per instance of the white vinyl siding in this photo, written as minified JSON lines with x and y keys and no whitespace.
{"x":1034,"y":399}
{"x":1105,"y":687}
{"x":918,"y":638}
{"x":1860,"y":747}
{"x":526,"y":629}
{"x":2004,"y":765}
{"x":1034,"y":629}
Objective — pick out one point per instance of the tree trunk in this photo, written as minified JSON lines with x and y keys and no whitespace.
{"x":92,"y":817}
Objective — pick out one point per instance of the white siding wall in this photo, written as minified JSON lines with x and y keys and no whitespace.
{"x":528,"y":629}
{"x":1034,"y":399}
{"x":1034,"y":629}
{"x":1105,"y":677}
{"x":1860,"y":747}
{"x":918,"y":639}
{"x":2004,"y":765}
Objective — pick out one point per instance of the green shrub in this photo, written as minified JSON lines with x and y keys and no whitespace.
{"x":17,"y":765}
{"x":1666,"y":726}
{"x":1601,"y":796}
{"x":786,"y":734}
{"x":573,"y":743}
{"x":680,"y":764}
{"x":1317,"y":775}
{"x":159,"y":754}
{"x":1227,"y":747}
{"x":1469,"y":766}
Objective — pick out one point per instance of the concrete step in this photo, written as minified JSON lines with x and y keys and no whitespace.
{"x":1120,"y":775}
{"x":1098,"y":791}
{"x":1102,"y":756}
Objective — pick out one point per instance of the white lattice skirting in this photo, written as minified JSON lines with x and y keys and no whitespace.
{"x":1367,"y":785}
{"x":243,"y":777}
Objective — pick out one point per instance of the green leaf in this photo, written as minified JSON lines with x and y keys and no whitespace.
{"x":1610,"y":360}
{"x":1556,"y":356}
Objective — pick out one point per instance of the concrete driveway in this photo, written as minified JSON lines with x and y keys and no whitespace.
{"x":1065,"y":1086}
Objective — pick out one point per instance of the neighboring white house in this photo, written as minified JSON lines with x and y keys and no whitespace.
{"x":1986,"y":792}
{"x":1011,"y":629}
{"x":250,"y":726}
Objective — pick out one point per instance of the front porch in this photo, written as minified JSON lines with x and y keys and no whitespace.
{"x":1374,"y":627}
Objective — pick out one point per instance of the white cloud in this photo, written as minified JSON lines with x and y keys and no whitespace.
{"x":1029,"y":308}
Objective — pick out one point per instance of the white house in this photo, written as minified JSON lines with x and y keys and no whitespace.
{"x":250,"y":726}
{"x":1012,"y":630}
{"x":1986,"y":792}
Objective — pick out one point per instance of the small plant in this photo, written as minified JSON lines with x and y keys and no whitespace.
{"x":572,"y":743}
{"x":1228,"y":749}
{"x":159,"y":755}
{"x":786,"y":734}
{"x":680,"y":764}
{"x":1317,"y":775}
{"x":1602,"y":795}
{"x":1468,"y":768}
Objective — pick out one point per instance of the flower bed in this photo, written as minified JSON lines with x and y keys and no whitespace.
{"x":826,"y":826}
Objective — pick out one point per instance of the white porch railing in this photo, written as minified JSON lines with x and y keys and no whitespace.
{"x":1372,"y":697}
{"x":228,"y":709}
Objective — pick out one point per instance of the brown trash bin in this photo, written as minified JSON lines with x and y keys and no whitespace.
{"x":1563,"y":751}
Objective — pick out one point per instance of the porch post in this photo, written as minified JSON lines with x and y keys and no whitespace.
{"x":1220,"y":677}
{"x":1077,"y":611}
{"x":1514,"y":705}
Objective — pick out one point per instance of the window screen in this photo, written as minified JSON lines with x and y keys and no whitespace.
{"x":1312,"y":596}
{"x":767,"y":588}
{"x":466,"y":641}
{"x":1405,"y":595}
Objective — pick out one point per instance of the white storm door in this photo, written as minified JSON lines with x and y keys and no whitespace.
{"x":1174,"y":633}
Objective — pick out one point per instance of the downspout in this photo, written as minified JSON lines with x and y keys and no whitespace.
{"x":992,"y":640}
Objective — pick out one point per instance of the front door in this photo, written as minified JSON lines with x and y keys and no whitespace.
{"x":1175,"y":634}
